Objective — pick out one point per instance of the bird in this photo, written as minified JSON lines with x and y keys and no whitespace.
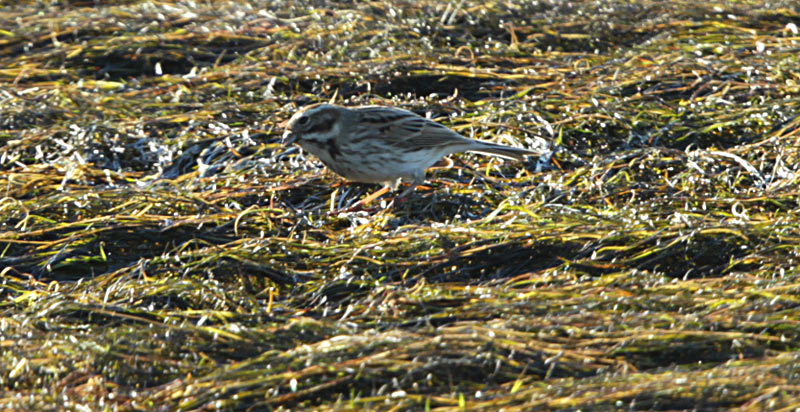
{"x":382,"y":144}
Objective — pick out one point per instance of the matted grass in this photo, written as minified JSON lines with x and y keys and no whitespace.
{"x":161,"y":250}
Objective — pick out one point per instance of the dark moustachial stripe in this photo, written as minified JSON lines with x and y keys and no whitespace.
{"x":333,"y":149}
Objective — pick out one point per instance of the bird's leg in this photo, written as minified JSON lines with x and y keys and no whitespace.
{"x":361,"y":203}
{"x":405,"y":193}
{"x":416,"y":180}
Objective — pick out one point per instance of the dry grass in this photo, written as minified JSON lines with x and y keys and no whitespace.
{"x":161,"y":250}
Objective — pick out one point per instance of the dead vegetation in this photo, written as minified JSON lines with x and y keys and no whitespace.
{"x":161,"y":250}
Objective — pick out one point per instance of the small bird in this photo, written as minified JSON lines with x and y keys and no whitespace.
{"x":378,"y":144}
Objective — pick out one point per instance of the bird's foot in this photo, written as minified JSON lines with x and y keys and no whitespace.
{"x":360,"y":205}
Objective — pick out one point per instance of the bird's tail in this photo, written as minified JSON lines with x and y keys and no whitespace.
{"x":508,"y":152}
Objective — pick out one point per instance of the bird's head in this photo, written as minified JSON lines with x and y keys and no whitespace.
{"x":317,"y":123}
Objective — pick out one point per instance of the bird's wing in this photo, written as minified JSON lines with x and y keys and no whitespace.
{"x":404,"y":129}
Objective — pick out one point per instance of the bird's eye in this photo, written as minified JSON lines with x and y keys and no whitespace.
{"x":302,"y":120}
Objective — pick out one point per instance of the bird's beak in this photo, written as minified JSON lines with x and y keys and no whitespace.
{"x":289,"y":138}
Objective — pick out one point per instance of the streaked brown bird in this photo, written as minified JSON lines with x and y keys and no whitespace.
{"x":376,"y":144}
